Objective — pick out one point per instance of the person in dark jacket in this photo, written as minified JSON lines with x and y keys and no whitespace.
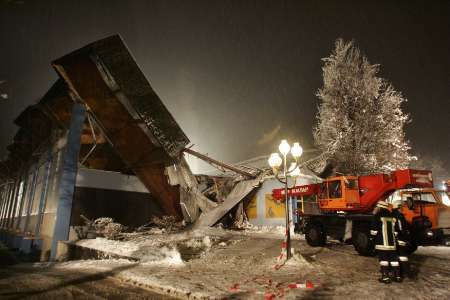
{"x":403,"y":238}
{"x":384,"y":231}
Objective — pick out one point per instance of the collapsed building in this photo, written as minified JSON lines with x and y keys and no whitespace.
{"x":101,"y":143}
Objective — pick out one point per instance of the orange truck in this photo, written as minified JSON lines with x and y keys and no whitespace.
{"x":341,"y":207}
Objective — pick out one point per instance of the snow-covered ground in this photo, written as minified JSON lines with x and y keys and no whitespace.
{"x":216,"y":264}
{"x":434,"y":251}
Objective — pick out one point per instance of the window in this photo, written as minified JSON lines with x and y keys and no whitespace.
{"x":323,"y":194}
{"x":351,"y":184}
{"x":426,"y":197}
{"x":335,"y":189}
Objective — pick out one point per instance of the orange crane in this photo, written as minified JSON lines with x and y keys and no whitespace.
{"x":341,"y":207}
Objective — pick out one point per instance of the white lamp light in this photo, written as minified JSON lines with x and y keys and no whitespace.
{"x":296,"y":150}
{"x":284,"y":147}
{"x":275,"y":160}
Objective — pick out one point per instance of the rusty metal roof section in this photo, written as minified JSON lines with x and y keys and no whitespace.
{"x":116,"y":70}
{"x":105,"y":77}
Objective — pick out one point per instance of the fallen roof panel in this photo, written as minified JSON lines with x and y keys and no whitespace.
{"x":107,"y":79}
{"x":239,"y":192}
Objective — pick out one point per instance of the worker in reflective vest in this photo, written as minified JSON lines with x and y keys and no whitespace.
{"x":384,"y":231}
{"x":403,"y":238}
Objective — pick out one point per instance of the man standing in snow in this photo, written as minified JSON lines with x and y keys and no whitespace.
{"x":384,"y":230}
{"x":402,"y":238}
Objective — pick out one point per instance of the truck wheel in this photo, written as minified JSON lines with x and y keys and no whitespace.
{"x":363,"y":244}
{"x":315,"y":236}
{"x":411,"y":248}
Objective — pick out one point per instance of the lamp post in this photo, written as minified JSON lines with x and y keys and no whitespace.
{"x":275,"y":162}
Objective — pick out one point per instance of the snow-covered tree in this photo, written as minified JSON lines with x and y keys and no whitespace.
{"x":360,"y":120}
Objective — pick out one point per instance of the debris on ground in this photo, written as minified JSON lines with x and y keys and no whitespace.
{"x":218,"y":263}
{"x":168,"y":223}
{"x":109,"y":229}
{"x":100,"y":227}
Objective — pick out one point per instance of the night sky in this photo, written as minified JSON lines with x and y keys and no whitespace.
{"x":239,"y":75}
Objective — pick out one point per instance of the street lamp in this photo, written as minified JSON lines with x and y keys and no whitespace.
{"x":275,"y":162}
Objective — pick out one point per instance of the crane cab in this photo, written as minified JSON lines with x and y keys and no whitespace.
{"x":339,"y":193}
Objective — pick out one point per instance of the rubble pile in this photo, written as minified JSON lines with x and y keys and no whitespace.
{"x":100,"y":227}
{"x":168,"y":223}
{"x":106,"y":227}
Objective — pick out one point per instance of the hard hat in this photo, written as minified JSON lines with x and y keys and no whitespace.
{"x":382,"y":204}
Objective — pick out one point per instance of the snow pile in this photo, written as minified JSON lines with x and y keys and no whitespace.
{"x":298,"y":260}
{"x":110,"y":246}
{"x":433,"y":251}
{"x":250,"y":228}
{"x":207,"y":242}
{"x":198,"y":242}
{"x":171,"y":250}
{"x":94,"y":265}
{"x":164,"y":256}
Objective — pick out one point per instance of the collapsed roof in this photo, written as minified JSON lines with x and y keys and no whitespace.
{"x":127,"y":129}
{"x":128,"y":124}
{"x":104,"y":76}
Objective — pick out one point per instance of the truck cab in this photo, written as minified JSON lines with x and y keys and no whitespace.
{"x":421,"y":210}
{"x":339,"y":193}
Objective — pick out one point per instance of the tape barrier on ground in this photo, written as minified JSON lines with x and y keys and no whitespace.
{"x":273,"y":289}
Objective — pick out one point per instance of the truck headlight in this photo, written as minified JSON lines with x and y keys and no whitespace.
{"x":430,"y":233}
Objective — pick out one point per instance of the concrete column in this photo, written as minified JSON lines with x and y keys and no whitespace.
{"x":9,"y":204}
{"x":7,"y":197}
{"x":5,"y":204}
{"x":16,"y":203}
{"x":31,"y":197}
{"x":4,"y":195}
{"x":12,"y":214}
{"x":2,"y":200}
{"x":22,"y":193}
{"x":43,"y":198}
{"x":69,"y":171}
